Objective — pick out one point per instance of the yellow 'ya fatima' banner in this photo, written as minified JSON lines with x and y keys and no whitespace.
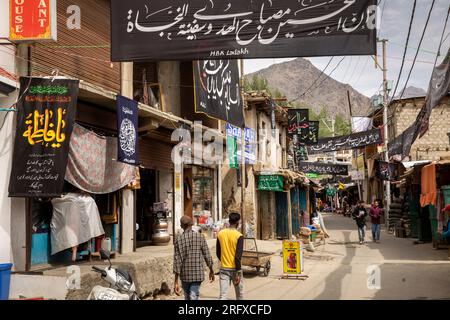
{"x":292,"y":257}
{"x":46,"y":114}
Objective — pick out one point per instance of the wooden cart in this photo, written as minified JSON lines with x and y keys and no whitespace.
{"x":251,"y":257}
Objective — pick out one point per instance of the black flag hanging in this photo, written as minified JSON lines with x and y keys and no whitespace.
{"x":46,"y":113}
{"x":295,"y":118}
{"x":217,"y":90}
{"x":127,"y":126}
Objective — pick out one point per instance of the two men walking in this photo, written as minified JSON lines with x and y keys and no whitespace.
{"x":360,"y":214}
{"x":191,"y":250}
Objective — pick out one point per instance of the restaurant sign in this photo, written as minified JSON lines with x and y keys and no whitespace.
{"x":32,"y":20}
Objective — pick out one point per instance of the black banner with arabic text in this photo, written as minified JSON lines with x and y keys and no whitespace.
{"x":308,"y":132}
{"x":217,"y":90}
{"x":401,"y":145}
{"x":323,"y":168}
{"x":295,"y":117}
{"x":352,"y":141}
{"x":235,"y":29}
{"x":386,"y":171}
{"x":46,"y":113}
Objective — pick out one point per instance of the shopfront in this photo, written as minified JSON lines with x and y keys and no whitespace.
{"x":283,"y":204}
{"x":89,"y":214}
{"x":200,"y":195}
{"x":156,"y":182}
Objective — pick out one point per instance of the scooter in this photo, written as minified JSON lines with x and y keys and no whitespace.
{"x":121,"y":285}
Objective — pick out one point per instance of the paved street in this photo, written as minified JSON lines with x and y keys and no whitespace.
{"x":338,"y":270}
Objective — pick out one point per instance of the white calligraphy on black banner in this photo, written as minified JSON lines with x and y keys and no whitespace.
{"x":211,"y":29}
{"x":217,"y":91}
{"x":323,"y":168}
{"x":347,"y":142}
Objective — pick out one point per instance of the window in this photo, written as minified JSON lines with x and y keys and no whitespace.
{"x":145,"y":84}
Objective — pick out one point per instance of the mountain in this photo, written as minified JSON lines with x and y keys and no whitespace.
{"x":412,"y":92}
{"x":294,"y":77}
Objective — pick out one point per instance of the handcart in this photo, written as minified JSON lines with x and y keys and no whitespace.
{"x":251,"y":257}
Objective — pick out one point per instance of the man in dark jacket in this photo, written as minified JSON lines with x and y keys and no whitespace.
{"x":359,"y":215}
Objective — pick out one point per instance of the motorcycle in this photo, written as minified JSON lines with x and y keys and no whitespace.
{"x":121,"y":285}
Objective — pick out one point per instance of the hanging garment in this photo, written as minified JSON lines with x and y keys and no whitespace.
{"x":371,"y":168}
{"x":429,"y":188}
{"x":440,"y":213}
{"x":75,"y":220}
{"x":92,"y":164}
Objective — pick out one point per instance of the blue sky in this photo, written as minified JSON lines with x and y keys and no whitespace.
{"x":360,"y":72}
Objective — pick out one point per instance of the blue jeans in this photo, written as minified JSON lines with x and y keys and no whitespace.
{"x":226,"y":278}
{"x":191,"y":290}
{"x":376,"y":228}
{"x":361,"y":232}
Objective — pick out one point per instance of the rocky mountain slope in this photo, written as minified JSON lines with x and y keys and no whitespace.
{"x":294,"y":77}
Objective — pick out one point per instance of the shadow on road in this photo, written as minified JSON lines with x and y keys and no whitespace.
{"x":333,"y":282}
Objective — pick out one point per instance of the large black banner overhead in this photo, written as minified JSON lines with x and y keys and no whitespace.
{"x":127,"y":126}
{"x":217,"y":91}
{"x":212,"y":29}
{"x":46,"y":113}
{"x":323,"y":168}
{"x":352,"y":141}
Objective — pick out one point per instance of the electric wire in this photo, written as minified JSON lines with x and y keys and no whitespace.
{"x":418,"y":48}
{"x":404,"y":52}
{"x":320,"y":75}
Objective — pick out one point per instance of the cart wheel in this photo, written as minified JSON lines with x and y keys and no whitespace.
{"x":267,"y":269}
{"x":258,"y":269}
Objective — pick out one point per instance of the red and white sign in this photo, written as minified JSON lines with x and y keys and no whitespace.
{"x":32,"y":20}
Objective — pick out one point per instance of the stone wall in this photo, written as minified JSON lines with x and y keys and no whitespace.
{"x":152,"y":273}
{"x":434,"y":145}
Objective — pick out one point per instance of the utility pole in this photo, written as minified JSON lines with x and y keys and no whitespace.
{"x":387,"y":184}
{"x":334,"y":202}
{"x":243,"y":182}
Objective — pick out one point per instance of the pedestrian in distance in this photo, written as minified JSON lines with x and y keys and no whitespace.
{"x":190,"y":251}
{"x":375,"y":217}
{"x":359,"y":215}
{"x":229,"y":249}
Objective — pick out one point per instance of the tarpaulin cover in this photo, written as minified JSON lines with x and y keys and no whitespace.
{"x":75,"y":220}
{"x":92,"y":164}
